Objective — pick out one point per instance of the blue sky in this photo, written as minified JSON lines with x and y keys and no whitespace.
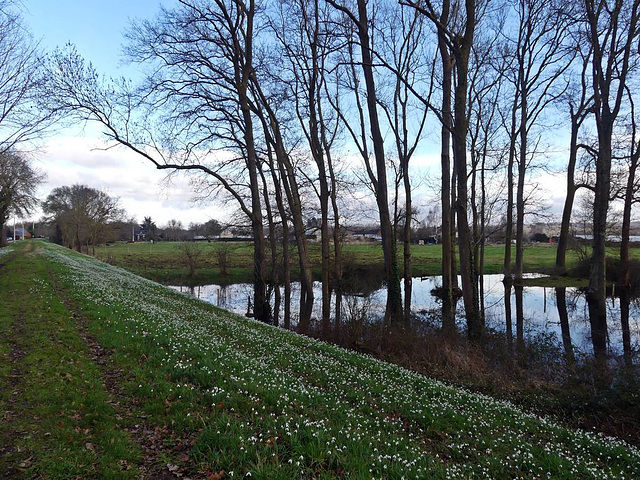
{"x":95,"y":27}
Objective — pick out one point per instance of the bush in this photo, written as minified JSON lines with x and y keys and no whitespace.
{"x":191,"y":253}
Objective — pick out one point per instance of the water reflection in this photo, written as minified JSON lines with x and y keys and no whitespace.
{"x":563,"y":315}
{"x":558,"y":312}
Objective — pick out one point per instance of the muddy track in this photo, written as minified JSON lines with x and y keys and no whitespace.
{"x":9,"y":435}
{"x":150,"y":438}
{"x":7,"y":445}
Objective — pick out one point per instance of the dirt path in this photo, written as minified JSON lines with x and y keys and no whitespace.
{"x":14,"y":333}
{"x":8,"y":434}
{"x":42,"y":356}
{"x":149,"y":438}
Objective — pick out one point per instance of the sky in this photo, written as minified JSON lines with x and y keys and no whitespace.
{"x":77,"y":155}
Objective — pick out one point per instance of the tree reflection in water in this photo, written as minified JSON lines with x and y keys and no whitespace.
{"x":568,"y":322}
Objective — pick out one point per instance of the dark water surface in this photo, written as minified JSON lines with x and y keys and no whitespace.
{"x":541,"y":312}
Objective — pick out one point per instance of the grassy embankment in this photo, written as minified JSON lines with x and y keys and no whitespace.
{"x":165,"y":263}
{"x":108,"y":375}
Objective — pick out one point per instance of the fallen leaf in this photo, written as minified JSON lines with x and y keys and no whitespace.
{"x":216,"y":476}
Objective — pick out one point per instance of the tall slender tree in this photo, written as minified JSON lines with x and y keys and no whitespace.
{"x":358,"y":16}
{"x":459,"y":37}
{"x":192,"y":111}
{"x":611,"y":28}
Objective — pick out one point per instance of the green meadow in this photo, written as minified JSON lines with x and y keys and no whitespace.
{"x":164,"y":262}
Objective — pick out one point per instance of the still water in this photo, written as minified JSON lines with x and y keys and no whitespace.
{"x":541,"y":315}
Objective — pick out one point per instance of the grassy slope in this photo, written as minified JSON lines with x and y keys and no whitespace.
{"x":230,"y":394}
{"x":58,"y":421}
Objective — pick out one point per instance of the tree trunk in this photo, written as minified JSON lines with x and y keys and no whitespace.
{"x":563,"y":239}
{"x":286,"y":261}
{"x":596,"y":293}
{"x":261,"y":308}
{"x":521,"y":97}
{"x":465,"y":240}
{"x":465,"y":244}
{"x":483,"y":220}
{"x":326,"y":260}
{"x":306,"y":276}
{"x":448,"y":258}
{"x":522,"y":170}
{"x":408,"y":276}
{"x":508,"y":235}
{"x":337,"y":246}
{"x":393,"y":310}
{"x":274,"y":280}
{"x":454,"y":253}
{"x":624,"y":278}
{"x":319,"y":157}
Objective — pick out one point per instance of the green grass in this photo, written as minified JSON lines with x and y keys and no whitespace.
{"x":60,"y":424}
{"x":229,"y":394}
{"x":163,"y":261}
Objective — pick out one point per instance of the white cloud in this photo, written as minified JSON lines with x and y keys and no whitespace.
{"x":122,"y":173}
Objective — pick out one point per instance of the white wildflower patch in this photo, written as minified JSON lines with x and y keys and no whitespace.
{"x":308,"y":406}
{"x":5,"y":250}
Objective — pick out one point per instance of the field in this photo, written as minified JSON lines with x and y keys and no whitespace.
{"x":108,"y":375}
{"x":164,"y":262}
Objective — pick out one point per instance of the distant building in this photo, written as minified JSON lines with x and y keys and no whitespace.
{"x":359,"y":234}
{"x":21,"y":234}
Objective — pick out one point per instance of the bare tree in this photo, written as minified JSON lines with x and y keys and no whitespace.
{"x":447,"y":193}
{"x":303,"y":29}
{"x":458,"y":36}
{"x":403,"y":47}
{"x":82,"y":213}
{"x":486,"y":87}
{"x":18,"y":184}
{"x":194,"y":111}
{"x":191,"y":253}
{"x":377,"y":173}
{"x":21,"y":77}
{"x":541,"y":59}
{"x":579,"y":101}
{"x":611,"y":28}
{"x":631,"y":190}
{"x":268,"y":112}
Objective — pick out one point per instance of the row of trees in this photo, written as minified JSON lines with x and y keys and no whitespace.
{"x":283,"y":105}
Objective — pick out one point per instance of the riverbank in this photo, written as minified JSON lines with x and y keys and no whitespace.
{"x":127,"y":378}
